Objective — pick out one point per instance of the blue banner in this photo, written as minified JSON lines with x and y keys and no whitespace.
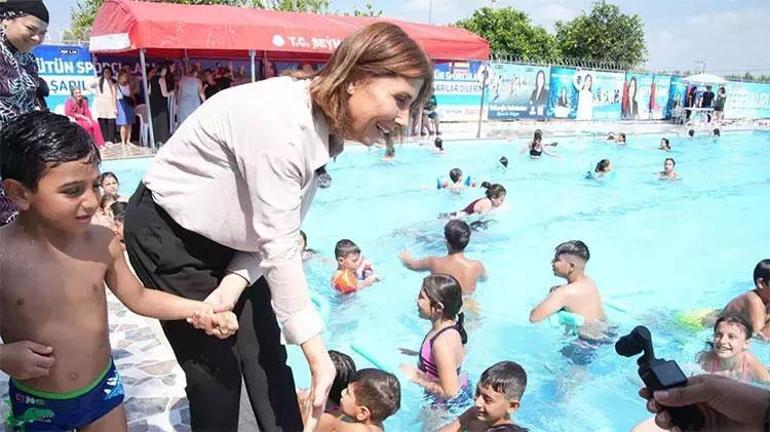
{"x":747,"y":100}
{"x":517,"y":91}
{"x":64,"y":67}
{"x":645,"y":96}
{"x":562,"y":98}
{"x":676,"y":94}
{"x":457,"y":86}
{"x":585,"y":94}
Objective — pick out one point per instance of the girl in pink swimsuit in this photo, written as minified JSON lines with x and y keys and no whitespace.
{"x":729,"y":354}
{"x":441,"y":353}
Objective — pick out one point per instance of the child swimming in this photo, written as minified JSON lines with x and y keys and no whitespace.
{"x":603,"y":167}
{"x":729,"y":354}
{"x":495,"y":197}
{"x":668,"y":172}
{"x":53,"y":312}
{"x":442,"y":351}
{"x":665,"y":145}
{"x":353,"y":273}
{"x":345,"y":368}
{"x":370,"y":398}
{"x":498,"y":397}
{"x":467,"y":271}
{"x":537,"y":148}
{"x":456,"y":182}
{"x":578,"y":296}
{"x":754,"y":303}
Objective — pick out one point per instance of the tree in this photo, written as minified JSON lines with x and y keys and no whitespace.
{"x":83,"y":13}
{"x":367,"y":11}
{"x":510,"y":31}
{"x":605,"y":34}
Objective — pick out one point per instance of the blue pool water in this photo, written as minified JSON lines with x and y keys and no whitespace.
{"x":656,"y":248}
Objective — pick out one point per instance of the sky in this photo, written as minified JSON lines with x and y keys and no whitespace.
{"x":730,"y":36}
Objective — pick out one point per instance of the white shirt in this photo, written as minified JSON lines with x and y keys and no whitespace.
{"x":241,"y":171}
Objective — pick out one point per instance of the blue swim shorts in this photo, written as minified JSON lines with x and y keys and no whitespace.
{"x":35,"y":410}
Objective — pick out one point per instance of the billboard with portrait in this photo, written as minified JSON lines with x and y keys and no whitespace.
{"x":516,"y":91}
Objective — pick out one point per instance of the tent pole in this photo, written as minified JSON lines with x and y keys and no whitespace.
{"x":252,"y":54}
{"x":146,"y":89}
{"x":485,"y":74}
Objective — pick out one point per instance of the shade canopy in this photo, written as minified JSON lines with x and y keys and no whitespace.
{"x":704,"y":78}
{"x":173,"y":30}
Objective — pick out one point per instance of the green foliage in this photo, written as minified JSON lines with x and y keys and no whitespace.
{"x":83,"y":13}
{"x":367,"y":11}
{"x":510,"y":31}
{"x":604,"y":34}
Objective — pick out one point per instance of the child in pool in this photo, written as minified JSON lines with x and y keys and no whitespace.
{"x":603,"y":167}
{"x":438,"y":145}
{"x":442,"y":351}
{"x":754,"y":304}
{"x":729,"y":354}
{"x":495,"y":197}
{"x":371,"y":397}
{"x":307,"y":253}
{"x":665,"y":145}
{"x":103,"y":216}
{"x":621,"y":139}
{"x":668,"y":172}
{"x":467,"y":271}
{"x":118,"y":210}
{"x":56,"y":338}
{"x":353,"y":272}
{"x":110,"y":184}
{"x":498,"y":396}
{"x":457,"y":182}
{"x":537,"y":148}
{"x":579,"y":295}
{"x":345,"y":369}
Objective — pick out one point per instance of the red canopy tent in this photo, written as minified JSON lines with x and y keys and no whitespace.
{"x":124,"y":27}
{"x":167,"y":30}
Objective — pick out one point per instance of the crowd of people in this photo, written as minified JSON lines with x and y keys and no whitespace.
{"x":227,"y":281}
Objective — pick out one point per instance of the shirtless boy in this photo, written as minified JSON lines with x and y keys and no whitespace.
{"x":467,"y":271}
{"x":55,"y":262}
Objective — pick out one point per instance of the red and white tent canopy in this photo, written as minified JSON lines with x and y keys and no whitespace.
{"x":170,"y":30}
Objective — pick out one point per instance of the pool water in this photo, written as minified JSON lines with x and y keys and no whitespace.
{"x":657,"y":248}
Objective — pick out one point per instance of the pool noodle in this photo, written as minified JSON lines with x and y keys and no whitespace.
{"x":569,"y":319}
{"x":363,"y":352}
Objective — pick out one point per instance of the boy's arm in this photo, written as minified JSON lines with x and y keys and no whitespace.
{"x":553,"y":302}
{"x":416,"y":264}
{"x":759,"y":370}
{"x":143,"y":301}
{"x":757,"y":314}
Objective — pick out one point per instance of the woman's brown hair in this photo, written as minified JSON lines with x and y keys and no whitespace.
{"x":378,"y":50}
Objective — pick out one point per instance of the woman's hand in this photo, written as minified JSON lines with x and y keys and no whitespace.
{"x":322,"y":372}
{"x":226,"y":295}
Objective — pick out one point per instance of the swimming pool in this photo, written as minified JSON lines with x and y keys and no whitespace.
{"x":656,"y":248}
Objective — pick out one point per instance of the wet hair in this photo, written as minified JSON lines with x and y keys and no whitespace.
{"x":670,"y":159}
{"x":622,"y":136}
{"x":455,"y":174}
{"x":691,"y":132}
{"x":345,"y":247}
{"x":506,"y":377}
{"x":39,"y":140}
{"x":377,"y":390}
{"x":304,"y":236}
{"x":736,"y":318}
{"x":345,"y":368}
{"x":390,"y":149}
{"x":493,"y":190}
{"x":457,"y":234}
{"x":717,"y":132}
{"x":445,"y":289}
{"x":602,"y":165}
{"x":106,"y":175}
{"x":504,"y":161}
{"x":379,"y":50}
{"x":538,"y":135}
{"x":665,"y":140}
{"x":574,"y":247}
{"x":762,"y":271}
{"x":118,"y":209}
{"x":438,"y":143}
{"x":106,"y":198}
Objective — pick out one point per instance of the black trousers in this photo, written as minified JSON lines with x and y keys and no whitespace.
{"x":168,"y":257}
{"x":107,"y":127}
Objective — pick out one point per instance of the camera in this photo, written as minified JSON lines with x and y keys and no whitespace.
{"x":659,"y":374}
